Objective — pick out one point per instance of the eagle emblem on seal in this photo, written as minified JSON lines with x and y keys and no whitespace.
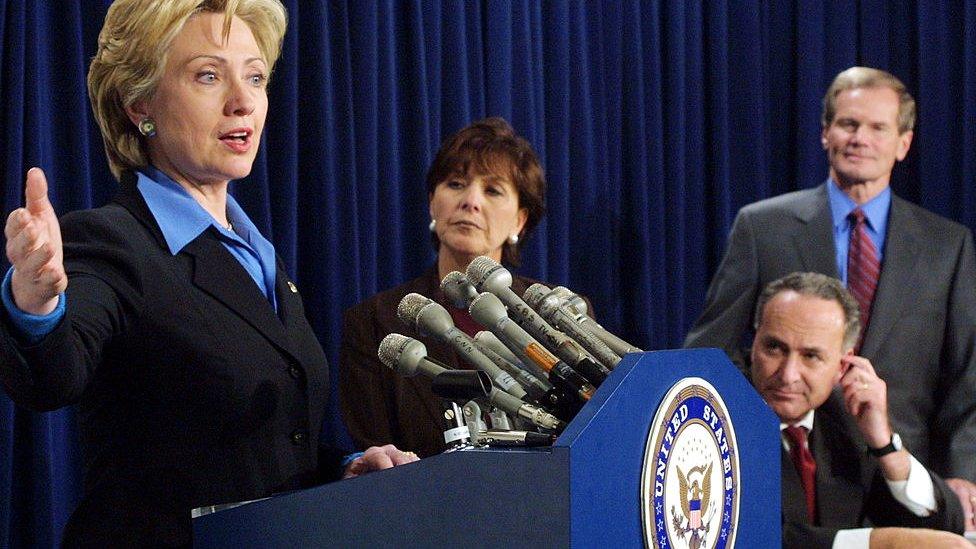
{"x":695,"y":493}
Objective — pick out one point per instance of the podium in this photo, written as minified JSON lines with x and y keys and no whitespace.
{"x":584,"y":491}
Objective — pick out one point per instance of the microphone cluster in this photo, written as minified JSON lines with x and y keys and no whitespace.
{"x":540,"y":359}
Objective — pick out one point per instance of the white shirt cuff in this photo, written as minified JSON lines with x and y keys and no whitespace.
{"x":855,"y":538}
{"x":917,"y":493}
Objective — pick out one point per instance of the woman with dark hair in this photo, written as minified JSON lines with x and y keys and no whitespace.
{"x":486,"y":192}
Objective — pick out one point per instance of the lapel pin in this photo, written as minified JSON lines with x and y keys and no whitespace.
{"x":292,"y":287}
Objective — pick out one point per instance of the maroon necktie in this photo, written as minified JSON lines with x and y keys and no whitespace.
{"x":805,"y":466}
{"x":863,"y":268}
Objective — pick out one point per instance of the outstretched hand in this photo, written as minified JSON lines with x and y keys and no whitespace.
{"x":35,"y":251}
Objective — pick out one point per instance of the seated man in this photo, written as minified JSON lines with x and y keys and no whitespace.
{"x":852,"y":471}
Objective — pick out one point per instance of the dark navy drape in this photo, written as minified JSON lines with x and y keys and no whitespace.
{"x":655,"y":120}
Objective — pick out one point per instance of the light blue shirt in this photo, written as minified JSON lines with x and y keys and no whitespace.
{"x":181,"y":220}
{"x":876,"y":214}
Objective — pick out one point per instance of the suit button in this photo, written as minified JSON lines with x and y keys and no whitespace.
{"x":295,"y":372}
{"x":298,"y":437}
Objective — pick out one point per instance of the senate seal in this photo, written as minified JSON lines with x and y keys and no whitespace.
{"x":690,"y":479}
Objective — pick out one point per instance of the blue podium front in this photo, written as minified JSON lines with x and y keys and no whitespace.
{"x":589,"y":489}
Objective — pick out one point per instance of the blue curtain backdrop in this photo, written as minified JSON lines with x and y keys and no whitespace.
{"x":656,"y":121}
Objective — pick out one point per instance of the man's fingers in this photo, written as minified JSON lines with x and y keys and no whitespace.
{"x":966,"y":491}
{"x":35,"y":192}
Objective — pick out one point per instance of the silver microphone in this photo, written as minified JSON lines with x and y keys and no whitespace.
{"x":575,"y":306}
{"x":487,"y":341}
{"x":430,"y":318}
{"x":533,"y":387}
{"x":458,"y":289}
{"x":540,"y":298}
{"x":490,"y":312}
{"x":408,"y":356}
{"x":490,"y":276}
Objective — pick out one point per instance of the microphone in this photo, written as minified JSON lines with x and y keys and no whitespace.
{"x":489,"y":311}
{"x":499,"y":437}
{"x":430,"y":318}
{"x":408,"y":357}
{"x":576,"y":307}
{"x":489,"y":276}
{"x":458,"y":289}
{"x":533,"y":387}
{"x":486,"y":339}
{"x":540,"y":298}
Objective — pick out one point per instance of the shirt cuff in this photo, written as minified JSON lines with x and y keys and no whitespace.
{"x":30,"y":328}
{"x":855,"y":538}
{"x":350,"y":458}
{"x":917,"y":493}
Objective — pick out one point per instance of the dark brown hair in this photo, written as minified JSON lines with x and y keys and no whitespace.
{"x":491,"y":147}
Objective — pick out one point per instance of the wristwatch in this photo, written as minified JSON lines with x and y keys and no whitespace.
{"x":892,"y":446}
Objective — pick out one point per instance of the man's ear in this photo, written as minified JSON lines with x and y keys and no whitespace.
{"x":844,"y":365}
{"x":904,"y":143}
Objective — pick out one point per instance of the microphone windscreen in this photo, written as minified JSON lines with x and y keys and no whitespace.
{"x":458,"y":289}
{"x":410,"y":306}
{"x":534,"y":295}
{"x":390,"y":349}
{"x":479,"y":269}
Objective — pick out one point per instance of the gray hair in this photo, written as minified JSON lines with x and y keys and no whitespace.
{"x":866,"y":77}
{"x":816,"y":285}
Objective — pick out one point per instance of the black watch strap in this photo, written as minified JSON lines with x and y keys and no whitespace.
{"x":891,"y":447}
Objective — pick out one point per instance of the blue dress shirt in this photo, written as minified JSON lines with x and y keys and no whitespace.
{"x":876,"y":213}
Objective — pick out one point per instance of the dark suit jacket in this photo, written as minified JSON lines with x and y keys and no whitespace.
{"x":922,"y":336}
{"x":851,"y":492}
{"x":191,"y":390}
{"x":380,"y":406}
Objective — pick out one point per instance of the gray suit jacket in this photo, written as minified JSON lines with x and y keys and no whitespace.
{"x":922,"y":336}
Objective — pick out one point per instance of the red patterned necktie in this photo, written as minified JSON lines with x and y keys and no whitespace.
{"x":805,"y":466}
{"x":863,"y":268}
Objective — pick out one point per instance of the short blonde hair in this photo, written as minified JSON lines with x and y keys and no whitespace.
{"x":866,"y":77}
{"x":131,"y":58}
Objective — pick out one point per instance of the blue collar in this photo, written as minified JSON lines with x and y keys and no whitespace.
{"x":180,"y":217}
{"x":875,"y":210}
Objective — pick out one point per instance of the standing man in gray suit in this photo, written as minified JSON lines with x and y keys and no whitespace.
{"x":912,"y":271}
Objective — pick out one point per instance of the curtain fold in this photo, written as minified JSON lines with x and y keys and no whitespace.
{"x":656,"y":120}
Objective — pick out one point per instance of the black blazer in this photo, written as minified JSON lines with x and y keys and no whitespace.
{"x":379,"y":406}
{"x":851,"y":492}
{"x":923,"y":320}
{"x":191,"y":391}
